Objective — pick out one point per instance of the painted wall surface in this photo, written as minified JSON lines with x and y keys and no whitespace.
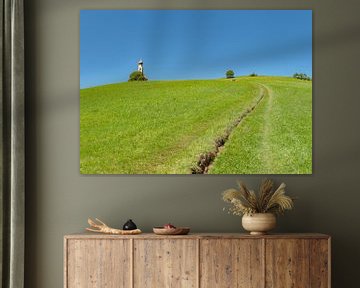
{"x":59,"y":199}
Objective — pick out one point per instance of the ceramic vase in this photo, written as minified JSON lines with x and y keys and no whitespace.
{"x":259,"y":223}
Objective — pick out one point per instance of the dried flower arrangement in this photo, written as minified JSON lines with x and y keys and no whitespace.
{"x":246,"y":202}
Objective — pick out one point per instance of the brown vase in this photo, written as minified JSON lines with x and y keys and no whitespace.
{"x":259,"y":223}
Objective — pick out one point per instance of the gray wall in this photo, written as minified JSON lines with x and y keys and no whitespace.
{"x":59,"y":199}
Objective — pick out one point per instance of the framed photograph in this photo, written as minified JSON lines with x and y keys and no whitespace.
{"x":196,"y":91}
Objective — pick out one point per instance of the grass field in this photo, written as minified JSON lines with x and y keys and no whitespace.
{"x":162,"y":127}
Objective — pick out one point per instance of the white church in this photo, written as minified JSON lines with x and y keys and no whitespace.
{"x":141,"y":66}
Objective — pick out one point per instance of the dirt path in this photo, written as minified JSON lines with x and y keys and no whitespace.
{"x":265,"y":143}
{"x":206,"y":160}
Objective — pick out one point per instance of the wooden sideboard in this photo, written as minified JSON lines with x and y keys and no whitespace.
{"x":197,"y":260}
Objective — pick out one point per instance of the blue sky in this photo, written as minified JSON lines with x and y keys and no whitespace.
{"x":193,"y":44}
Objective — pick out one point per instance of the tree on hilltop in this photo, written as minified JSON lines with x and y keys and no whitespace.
{"x":230,"y":74}
{"x":137,"y":76}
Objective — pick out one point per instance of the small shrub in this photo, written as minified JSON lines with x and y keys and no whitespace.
{"x":253,"y":75}
{"x":230,"y":74}
{"x":137,"y":76}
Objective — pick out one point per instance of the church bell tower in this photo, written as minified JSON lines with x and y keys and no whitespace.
{"x":141,"y":66}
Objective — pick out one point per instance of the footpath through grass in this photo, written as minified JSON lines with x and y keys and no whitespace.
{"x":277,"y":137}
{"x":156,"y":127}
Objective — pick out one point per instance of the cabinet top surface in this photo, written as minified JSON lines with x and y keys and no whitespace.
{"x":87,"y":235}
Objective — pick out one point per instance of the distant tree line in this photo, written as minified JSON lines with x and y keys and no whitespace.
{"x":231,"y":74}
{"x":302,"y":76}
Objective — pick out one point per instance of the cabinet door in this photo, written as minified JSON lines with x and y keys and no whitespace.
{"x":297,"y":263}
{"x":231,"y":263}
{"x":287,"y":263}
{"x":320,"y":263}
{"x":165,"y":263}
{"x":98,"y":263}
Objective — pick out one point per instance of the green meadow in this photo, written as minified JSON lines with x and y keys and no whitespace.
{"x":162,"y":127}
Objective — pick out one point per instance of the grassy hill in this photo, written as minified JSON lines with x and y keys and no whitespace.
{"x":162,"y":127}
